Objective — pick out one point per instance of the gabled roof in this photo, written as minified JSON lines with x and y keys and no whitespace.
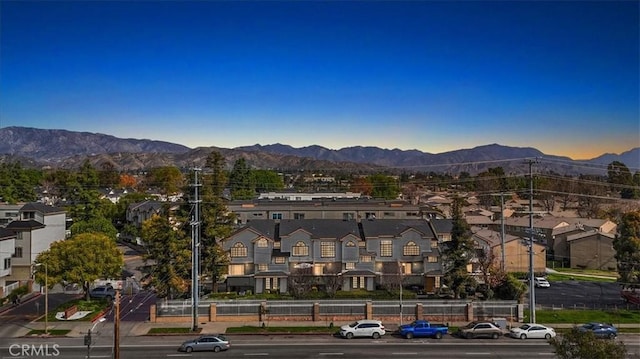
{"x":442,"y":225}
{"x":395,"y":227}
{"x":263,"y":227}
{"x":492,"y":238}
{"x":41,"y":207}
{"x":320,"y":228}
{"x":148,"y":205}
{"x":590,"y":233}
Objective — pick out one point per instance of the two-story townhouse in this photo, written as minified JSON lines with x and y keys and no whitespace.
{"x":516,"y":251}
{"x":592,"y":249}
{"x":38,"y":227}
{"x":7,"y":247}
{"x":361,"y":255}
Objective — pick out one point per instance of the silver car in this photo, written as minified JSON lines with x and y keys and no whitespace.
{"x":214,"y":343}
{"x":363,"y":328}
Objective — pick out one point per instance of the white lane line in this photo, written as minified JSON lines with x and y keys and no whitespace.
{"x":478,"y":353}
{"x":405,"y":353}
{"x":330,"y":354}
{"x":256,"y":354}
{"x":178,"y":355}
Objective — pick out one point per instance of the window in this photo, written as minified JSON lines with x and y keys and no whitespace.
{"x":279,"y":260}
{"x":276,"y":245}
{"x":434,"y":243}
{"x":18,"y":252}
{"x":348,"y":216}
{"x":28,"y":215}
{"x":19,"y":236}
{"x":276,"y":215}
{"x":327,"y":249}
{"x":412,"y":214}
{"x":350,"y":265}
{"x":350,"y":244}
{"x":236,"y":269}
{"x":358,"y":282}
{"x":365,"y":259}
{"x":262,"y":243}
{"x":432,"y":259}
{"x":386,"y":248}
{"x":411,"y":249}
{"x":262,"y":267}
{"x":270,"y":283}
{"x":7,"y":263}
{"x":238,"y":250}
{"x":300,"y":249}
{"x":370,"y":215}
{"x":298,"y":216}
{"x":389,"y":214}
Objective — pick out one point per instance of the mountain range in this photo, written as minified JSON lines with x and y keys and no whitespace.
{"x":68,"y":149}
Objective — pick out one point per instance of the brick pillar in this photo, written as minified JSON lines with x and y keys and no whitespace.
{"x":152,"y":313}
{"x":470,"y":312}
{"x":368,"y":310}
{"x":263,"y":312}
{"x":316,"y":312}
{"x":213,"y":312}
{"x":419,"y":311}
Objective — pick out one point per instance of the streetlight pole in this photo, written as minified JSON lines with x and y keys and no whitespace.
{"x":400,"y":270}
{"x":88,"y":339}
{"x":46,"y":296}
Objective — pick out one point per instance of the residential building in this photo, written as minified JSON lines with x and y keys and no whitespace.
{"x":38,"y":227}
{"x":592,"y":249}
{"x":7,"y":246}
{"x":335,"y":208}
{"x":516,"y":251}
{"x":267,"y":255}
{"x":9,"y":212}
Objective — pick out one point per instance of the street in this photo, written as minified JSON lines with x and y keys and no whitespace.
{"x":294,"y":347}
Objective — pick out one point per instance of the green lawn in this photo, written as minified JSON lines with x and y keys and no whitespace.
{"x":558,"y":277}
{"x":56,"y":332}
{"x":95,"y":306}
{"x":275,"y":329}
{"x":578,"y":316}
{"x":179,"y":330}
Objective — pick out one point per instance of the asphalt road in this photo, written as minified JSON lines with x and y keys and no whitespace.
{"x":294,"y":347}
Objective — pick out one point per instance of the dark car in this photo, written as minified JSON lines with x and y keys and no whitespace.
{"x":600,"y":330}
{"x":103,"y":292}
{"x":214,"y":343}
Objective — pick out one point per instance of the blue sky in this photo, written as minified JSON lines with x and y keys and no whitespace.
{"x":560,"y":76}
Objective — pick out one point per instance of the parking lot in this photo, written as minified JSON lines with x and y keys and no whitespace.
{"x":580,"y":294}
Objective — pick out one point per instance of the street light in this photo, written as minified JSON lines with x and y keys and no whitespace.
{"x":46,"y":297}
{"x":401,"y":271}
{"x":87,"y":338}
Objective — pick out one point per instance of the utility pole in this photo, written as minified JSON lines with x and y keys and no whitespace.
{"x":116,"y":326}
{"x":195,"y":247}
{"x":502,"y":232}
{"x":532,"y":296}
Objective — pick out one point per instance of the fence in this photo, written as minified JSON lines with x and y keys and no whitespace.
{"x":331,"y":310}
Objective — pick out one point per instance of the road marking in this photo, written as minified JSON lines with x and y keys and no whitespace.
{"x":412,"y":353}
{"x":478,"y":353}
{"x":178,"y":355}
{"x":330,"y":353}
{"x":256,"y":354}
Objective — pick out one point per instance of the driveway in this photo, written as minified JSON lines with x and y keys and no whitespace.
{"x":580,"y":294}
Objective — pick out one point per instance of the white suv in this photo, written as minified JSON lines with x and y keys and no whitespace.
{"x":363,"y":328}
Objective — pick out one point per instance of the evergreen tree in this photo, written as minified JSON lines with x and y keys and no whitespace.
{"x":627,"y":247}
{"x":240,"y":181}
{"x":458,"y":252}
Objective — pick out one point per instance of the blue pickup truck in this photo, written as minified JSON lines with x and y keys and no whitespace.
{"x":422,"y":328}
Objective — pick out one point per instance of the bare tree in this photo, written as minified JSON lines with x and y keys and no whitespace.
{"x":301,"y":281}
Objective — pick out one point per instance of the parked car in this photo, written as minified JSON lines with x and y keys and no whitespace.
{"x":214,"y":343}
{"x":103,"y":292}
{"x":600,"y":330}
{"x":533,"y":331}
{"x":541,"y":282}
{"x":363,"y":328}
{"x":480,"y":330}
{"x":422,"y":328}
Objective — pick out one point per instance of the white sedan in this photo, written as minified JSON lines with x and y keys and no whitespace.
{"x":533,"y":331}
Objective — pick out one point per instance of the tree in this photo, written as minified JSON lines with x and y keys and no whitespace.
{"x":80,"y":259}
{"x":217,"y":221}
{"x":95,"y":225}
{"x":363,"y":186}
{"x":301,"y":280}
{"x":384,"y":186}
{"x":266,"y":180}
{"x":169,"y":250}
{"x":627,"y":247}
{"x":458,"y":252}
{"x":240,"y":181}
{"x":108,"y":176}
{"x":168,"y":180}
{"x":622,"y":180}
{"x":584,"y":345}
